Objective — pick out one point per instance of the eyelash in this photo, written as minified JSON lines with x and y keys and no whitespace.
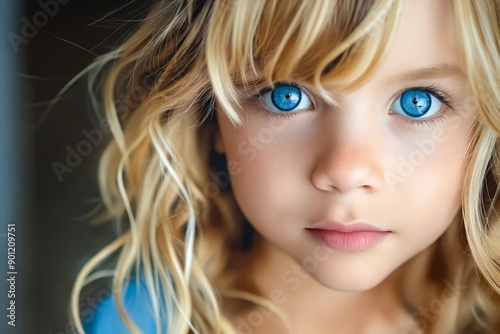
{"x":432,"y":89}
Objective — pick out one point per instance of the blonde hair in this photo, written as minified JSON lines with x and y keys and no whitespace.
{"x":181,"y":236}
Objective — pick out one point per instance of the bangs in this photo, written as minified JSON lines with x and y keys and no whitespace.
{"x":334,"y":45}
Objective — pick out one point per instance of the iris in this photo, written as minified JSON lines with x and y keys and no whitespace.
{"x":286,"y":97}
{"x":415,"y":102}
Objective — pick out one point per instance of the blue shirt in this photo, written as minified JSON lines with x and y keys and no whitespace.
{"x":138,"y":306}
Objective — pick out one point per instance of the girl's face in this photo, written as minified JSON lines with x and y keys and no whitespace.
{"x":362,"y":188}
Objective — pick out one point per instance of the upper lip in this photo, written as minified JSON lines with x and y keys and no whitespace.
{"x":331,"y":225}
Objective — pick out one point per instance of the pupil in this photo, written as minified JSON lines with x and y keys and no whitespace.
{"x":416,"y":101}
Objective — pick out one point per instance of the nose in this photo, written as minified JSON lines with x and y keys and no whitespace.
{"x":350,"y":160}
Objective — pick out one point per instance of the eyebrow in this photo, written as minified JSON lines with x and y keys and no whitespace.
{"x":439,"y":71}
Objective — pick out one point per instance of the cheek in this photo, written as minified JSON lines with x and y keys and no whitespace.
{"x":432,"y":173}
{"x":264,"y":172}
{"x":271,"y":175}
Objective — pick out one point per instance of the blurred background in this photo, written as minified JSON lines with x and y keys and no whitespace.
{"x":48,"y":158}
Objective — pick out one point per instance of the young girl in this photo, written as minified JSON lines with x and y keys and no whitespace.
{"x":303,"y":167}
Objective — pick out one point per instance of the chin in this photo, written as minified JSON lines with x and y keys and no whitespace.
{"x":351,"y":286}
{"x":345,"y":280}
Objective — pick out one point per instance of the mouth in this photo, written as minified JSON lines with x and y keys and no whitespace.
{"x":348,"y":237}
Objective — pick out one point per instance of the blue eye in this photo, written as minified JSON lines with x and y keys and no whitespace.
{"x":285,"y":97}
{"x":417,"y":103}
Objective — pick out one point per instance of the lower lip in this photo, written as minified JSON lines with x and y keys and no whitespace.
{"x":352,"y":241}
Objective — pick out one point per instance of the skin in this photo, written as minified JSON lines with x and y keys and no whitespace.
{"x":355,"y":163}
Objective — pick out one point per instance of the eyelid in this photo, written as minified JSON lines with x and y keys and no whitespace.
{"x":271,"y":87}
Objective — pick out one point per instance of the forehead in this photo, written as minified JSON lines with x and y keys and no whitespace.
{"x":425,"y":38}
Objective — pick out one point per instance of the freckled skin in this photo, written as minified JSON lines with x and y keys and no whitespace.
{"x":359,"y":162}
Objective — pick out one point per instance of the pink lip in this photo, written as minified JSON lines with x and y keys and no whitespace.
{"x":348,"y":237}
